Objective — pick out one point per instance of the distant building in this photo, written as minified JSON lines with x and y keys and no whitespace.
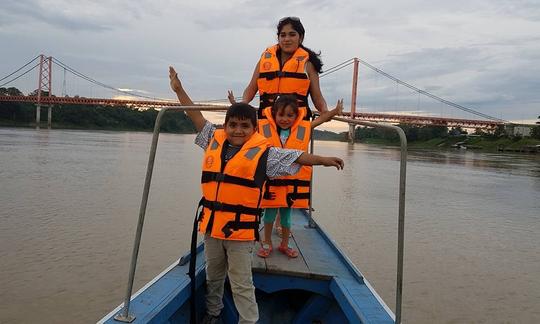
{"x":518,"y":130}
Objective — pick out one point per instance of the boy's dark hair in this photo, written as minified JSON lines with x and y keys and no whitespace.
{"x":242,"y":111}
{"x":314,"y":58}
{"x":282,"y":102}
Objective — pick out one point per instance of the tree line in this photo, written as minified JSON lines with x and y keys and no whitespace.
{"x":425,"y":133}
{"x":91,"y":116}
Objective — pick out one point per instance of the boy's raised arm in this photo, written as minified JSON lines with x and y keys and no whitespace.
{"x":195,"y":115}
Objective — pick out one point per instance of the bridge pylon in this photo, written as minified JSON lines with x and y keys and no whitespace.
{"x":44,"y":84}
{"x":353,"y":99}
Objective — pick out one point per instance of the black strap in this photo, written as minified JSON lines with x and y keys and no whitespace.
{"x":236,"y":225}
{"x":291,"y":197}
{"x":219,"y":206}
{"x":192,"y":263}
{"x":288,"y":182}
{"x":208,"y":176}
{"x":282,"y":74}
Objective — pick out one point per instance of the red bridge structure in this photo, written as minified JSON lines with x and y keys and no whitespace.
{"x":45,"y":87}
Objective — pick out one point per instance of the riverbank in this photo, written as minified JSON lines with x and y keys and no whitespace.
{"x":487,"y":144}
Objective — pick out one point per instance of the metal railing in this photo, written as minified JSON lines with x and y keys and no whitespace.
{"x":124,"y":315}
{"x":401,"y":205}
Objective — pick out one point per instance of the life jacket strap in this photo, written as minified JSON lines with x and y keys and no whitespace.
{"x":288,"y":182}
{"x":209,"y":176}
{"x":282,"y":74}
{"x":219,"y":206}
{"x":236,"y":225}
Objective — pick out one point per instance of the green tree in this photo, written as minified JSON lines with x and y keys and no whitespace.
{"x":11,"y":91}
{"x":535,"y":132}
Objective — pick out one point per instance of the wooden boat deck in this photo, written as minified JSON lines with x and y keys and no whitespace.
{"x":315,"y":259}
{"x":320,"y":260}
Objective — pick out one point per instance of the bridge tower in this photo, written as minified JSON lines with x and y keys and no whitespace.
{"x":353,"y":99}
{"x":44,"y":84}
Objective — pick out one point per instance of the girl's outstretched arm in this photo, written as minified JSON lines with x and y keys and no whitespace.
{"x":326,"y":116}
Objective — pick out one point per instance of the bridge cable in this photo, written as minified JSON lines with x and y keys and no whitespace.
{"x":22,"y":67}
{"x":89,"y":79}
{"x":3,"y":84}
{"x":474,"y":112}
{"x":337,"y":67}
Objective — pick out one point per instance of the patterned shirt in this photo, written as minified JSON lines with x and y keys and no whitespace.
{"x":280,"y":161}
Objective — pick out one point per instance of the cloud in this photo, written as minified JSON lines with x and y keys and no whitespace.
{"x":478,"y":53}
{"x":96,"y":16}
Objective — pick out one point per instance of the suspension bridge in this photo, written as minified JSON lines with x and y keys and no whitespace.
{"x":43,"y":96}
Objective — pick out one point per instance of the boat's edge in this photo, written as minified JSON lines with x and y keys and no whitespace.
{"x":350,"y":265}
{"x":179,"y":261}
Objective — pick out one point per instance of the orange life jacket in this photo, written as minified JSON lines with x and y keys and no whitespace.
{"x":232,"y":191}
{"x":294,"y":190}
{"x":290,"y":79}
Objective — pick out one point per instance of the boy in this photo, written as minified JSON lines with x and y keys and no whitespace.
{"x":236,"y":164}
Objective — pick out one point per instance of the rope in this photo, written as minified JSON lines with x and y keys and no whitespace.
{"x":89,"y":79}
{"x":425,"y":93}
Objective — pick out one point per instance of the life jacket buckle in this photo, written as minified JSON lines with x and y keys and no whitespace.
{"x":219,"y":177}
{"x":216,"y":205}
{"x":227,"y":230}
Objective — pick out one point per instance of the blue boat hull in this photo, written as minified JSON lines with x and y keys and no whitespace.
{"x":321,"y":286}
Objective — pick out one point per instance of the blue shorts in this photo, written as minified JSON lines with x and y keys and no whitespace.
{"x":284,"y":213}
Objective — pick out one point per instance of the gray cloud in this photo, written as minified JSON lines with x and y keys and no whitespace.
{"x":479,"y":53}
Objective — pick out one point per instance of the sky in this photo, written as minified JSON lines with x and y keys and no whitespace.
{"x":483,"y":55}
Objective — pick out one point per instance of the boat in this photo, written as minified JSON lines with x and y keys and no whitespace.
{"x":320,"y":286}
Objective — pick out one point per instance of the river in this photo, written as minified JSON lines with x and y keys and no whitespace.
{"x":70,"y":201}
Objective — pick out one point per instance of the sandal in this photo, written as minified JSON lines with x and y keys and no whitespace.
{"x":288,"y":251}
{"x":265,"y":250}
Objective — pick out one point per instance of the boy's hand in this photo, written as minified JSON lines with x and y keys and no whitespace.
{"x":230,"y":96}
{"x":332,"y":161}
{"x":176,"y":85}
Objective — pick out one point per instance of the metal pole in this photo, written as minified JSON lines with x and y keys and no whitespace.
{"x":401,"y":206}
{"x":353,"y":99}
{"x":124,"y":316}
{"x":311,"y":223}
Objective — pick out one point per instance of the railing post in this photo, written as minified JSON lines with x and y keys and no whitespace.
{"x":401,"y":205}
{"x":311,"y":223}
{"x":124,"y":315}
